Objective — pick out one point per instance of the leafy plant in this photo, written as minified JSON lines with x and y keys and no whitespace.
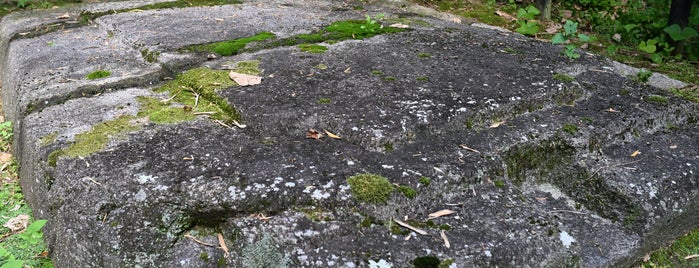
{"x":6,"y":131}
{"x":525,"y":19}
{"x":32,"y":235}
{"x":679,"y":34}
{"x":370,"y":24}
{"x":569,"y":34}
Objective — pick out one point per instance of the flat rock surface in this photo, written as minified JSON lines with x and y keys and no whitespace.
{"x":545,"y":161}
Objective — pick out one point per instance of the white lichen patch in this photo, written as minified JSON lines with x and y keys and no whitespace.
{"x":141,"y":195}
{"x":143,"y":179}
{"x":235,"y":193}
{"x":566,"y":239}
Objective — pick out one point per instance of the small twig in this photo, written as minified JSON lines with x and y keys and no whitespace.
{"x":94,"y":181}
{"x":415,"y":229}
{"x":568,"y":211}
{"x":199,"y":242}
{"x":612,"y":166}
{"x":203,"y":113}
{"x":223,"y":124}
{"x":468,"y":148}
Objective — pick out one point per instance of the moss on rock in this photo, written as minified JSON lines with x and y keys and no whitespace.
{"x":370,"y":188}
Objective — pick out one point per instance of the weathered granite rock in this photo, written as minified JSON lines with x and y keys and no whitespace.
{"x":530,"y":149}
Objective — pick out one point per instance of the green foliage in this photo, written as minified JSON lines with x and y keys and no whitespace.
{"x":98,"y":74}
{"x":569,"y":35}
{"x":370,"y":24}
{"x":679,"y":34}
{"x":32,"y":235}
{"x":424,"y":181}
{"x":674,"y":255}
{"x":525,"y":19}
{"x":370,"y":188}
{"x":264,"y":254}
{"x":407,"y":191}
{"x":644,"y":75}
{"x":570,"y":129}
{"x":6,"y":131}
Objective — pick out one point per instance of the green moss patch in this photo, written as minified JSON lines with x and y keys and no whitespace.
{"x":570,"y":129}
{"x":48,"y":139}
{"x":370,"y":188}
{"x":230,"y":47}
{"x":160,"y":112}
{"x":313,"y":48}
{"x":407,"y":191}
{"x":196,"y":89}
{"x":98,"y":74}
{"x":563,"y":77}
{"x":96,"y":139}
{"x":656,"y":99}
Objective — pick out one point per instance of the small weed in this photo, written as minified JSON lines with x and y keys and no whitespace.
{"x":570,"y":129}
{"x":388,"y":147}
{"x":525,"y":18}
{"x":424,"y":181}
{"x":370,"y":188}
{"x":98,"y":74}
{"x":643,"y":76}
{"x":422,"y":79}
{"x":424,"y":55}
{"x":376,"y":72}
{"x":499,"y":183}
{"x":407,"y":191}
{"x":324,"y":101}
{"x":570,"y":33}
{"x":150,"y":56}
{"x":321,"y":66}
{"x":390,"y":78}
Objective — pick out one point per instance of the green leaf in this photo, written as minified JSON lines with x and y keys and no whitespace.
{"x":528,"y":28}
{"x":36,"y":226}
{"x":629,"y":27}
{"x":648,"y":46}
{"x":656,"y":58}
{"x":13,"y":264}
{"x":584,"y":38}
{"x":570,"y":27}
{"x":612,"y":49}
{"x":558,"y":38}
{"x":529,"y":13}
{"x":570,"y":52}
{"x":679,"y":34}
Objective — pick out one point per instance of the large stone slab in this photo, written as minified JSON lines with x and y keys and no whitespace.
{"x":531,"y":150}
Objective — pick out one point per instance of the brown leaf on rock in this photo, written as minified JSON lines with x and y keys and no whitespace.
{"x":18,"y":223}
{"x":414,"y":229}
{"x":646,"y":258}
{"x":313,"y":134}
{"x":331,"y":135}
{"x":635,"y":153}
{"x":63,"y":17}
{"x":222,"y":243}
{"x":245,"y":79}
{"x":446,"y":240}
{"x":399,"y":25}
{"x":440,"y":213}
{"x":496,"y":124}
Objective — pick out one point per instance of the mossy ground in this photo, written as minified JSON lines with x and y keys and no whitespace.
{"x":230,"y":47}
{"x":371,"y":188}
{"x":674,"y":254}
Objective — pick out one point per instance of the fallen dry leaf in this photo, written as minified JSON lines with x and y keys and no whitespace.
{"x":673,"y":146}
{"x":5,"y":157}
{"x":553,"y":28}
{"x":313,"y":134}
{"x":646,"y":258}
{"x":331,"y":135}
{"x":18,"y":223}
{"x":691,"y":256}
{"x":245,"y":79}
{"x":497,"y":124}
{"x":611,"y":110}
{"x":63,"y":17}
{"x":504,"y":15}
{"x":222,"y":243}
{"x":456,"y":20}
{"x":446,"y":240}
{"x":399,"y":25}
{"x":463,"y":146}
{"x":440,"y":213}
{"x":414,"y":229}
{"x":635,"y":153}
